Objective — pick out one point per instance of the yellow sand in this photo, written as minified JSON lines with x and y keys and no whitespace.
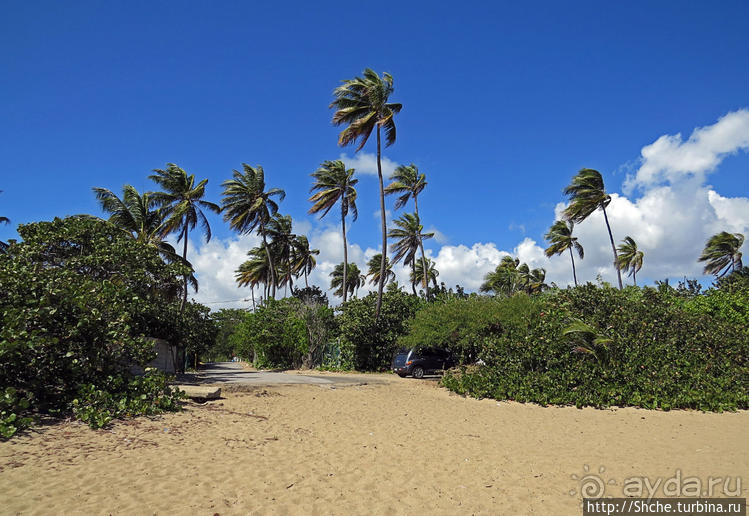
{"x":401,"y":446}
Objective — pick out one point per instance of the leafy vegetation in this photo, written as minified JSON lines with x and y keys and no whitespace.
{"x":368,"y":342}
{"x":286,"y":333}
{"x":598,"y":346}
{"x":81,"y":299}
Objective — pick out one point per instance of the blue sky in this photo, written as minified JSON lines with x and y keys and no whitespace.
{"x":502,"y":104}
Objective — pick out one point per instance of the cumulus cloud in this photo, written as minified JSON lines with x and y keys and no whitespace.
{"x":215,"y":263}
{"x":670,"y":159}
{"x":366,"y":163}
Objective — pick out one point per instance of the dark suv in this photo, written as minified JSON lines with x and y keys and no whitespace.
{"x":420,"y":361}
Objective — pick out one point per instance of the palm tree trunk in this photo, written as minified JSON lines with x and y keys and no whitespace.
{"x":270,"y":263}
{"x":425,"y":279}
{"x":345,"y":251}
{"x":574,"y":273}
{"x":634,"y":277}
{"x":252,"y":292}
{"x":305,"y":277}
{"x":184,"y":257}
{"x":613,"y":248}
{"x":384,"y":228}
{"x":413,"y":270}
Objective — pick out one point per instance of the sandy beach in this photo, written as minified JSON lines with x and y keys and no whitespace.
{"x":392,"y":447}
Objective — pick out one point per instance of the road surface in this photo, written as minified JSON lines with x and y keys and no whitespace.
{"x":234,"y":373}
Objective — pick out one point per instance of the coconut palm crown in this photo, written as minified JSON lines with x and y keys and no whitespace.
{"x":248,"y":206}
{"x":722,"y":253}
{"x":335,"y":184}
{"x":304,"y":257}
{"x":408,"y":235}
{"x":587,"y":194}
{"x":373,"y":270}
{"x":183,"y":204}
{"x":408,"y":183}
{"x":561,"y":239}
{"x":630,"y":258}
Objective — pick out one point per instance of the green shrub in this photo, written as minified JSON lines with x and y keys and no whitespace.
{"x":367,"y":344}
{"x":11,"y":407}
{"x":286,"y":333}
{"x":462,"y":324}
{"x":657,"y":354}
{"x":80,"y":298}
{"x":117,"y":398}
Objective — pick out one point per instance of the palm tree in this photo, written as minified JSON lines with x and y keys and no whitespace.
{"x":373,"y":269}
{"x":182,"y":201}
{"x":560,"y":236}
{"x":722,"y":251}
{"x":432,"y":273}
{"x":531,"y":280}
{"x":334,"y":184}
{"x":247,"y":206}
{"x":587,"y":194}
{"x":254,"y":271}
{"x":408,"y":183}
{"x":362,"y":104}
{"x":630,"y":258}
{"x":504,"y":279}
{"x":353,"y":281}
{"x":282,"y":247}
{"x":408,"y":237}
{"x":136,"y":214}
{"x":304,"y":257}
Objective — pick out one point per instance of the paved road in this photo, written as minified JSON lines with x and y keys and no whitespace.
{"x":233,"y":372}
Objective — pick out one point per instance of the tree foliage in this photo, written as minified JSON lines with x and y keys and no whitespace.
{"x":80,"y":300}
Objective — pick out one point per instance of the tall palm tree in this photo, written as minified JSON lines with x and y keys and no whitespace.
{"x":630,"y":258}
{"x":560,"y":236}
{"x":183,"y":204}
{"x":408,"y":236}
{"x":587,"y":194}
{"x":247,"y":206}
{"x":722,"y":253}
{"x":334,"y":184}
{"x":282,"y":247}
{"x":304,"y":257}
{"x":373,"y":269}
{"x":362,"y":105}
{"x":353,"y":281}
{"x":408,"y":183}
{"x":431,"y":275}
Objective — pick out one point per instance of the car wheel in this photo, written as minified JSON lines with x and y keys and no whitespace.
{"x":418,"y":372}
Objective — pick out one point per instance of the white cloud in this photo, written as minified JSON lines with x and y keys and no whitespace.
{"x":670,"y":159}
{"x":366,"y":163}
{"x":439,"y":236}
{"x":215,"y":263}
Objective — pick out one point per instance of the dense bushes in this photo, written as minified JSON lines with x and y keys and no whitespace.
{"x":462,"y":324}
{"x":286,"y":333}
{"x":599,"y":346}
{"x":79,"y":300}
{"x":366,"y":344}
